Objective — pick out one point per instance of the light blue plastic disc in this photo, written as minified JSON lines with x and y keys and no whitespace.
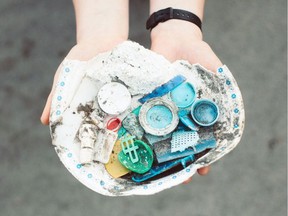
{"x":159,"y":116}
{"x":183,"y":95}
{"x":205,"y":112}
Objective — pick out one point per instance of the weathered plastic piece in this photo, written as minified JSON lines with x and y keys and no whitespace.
{"x":181,"y":140}
{"x":87,"y":136}
{"x":128,"y":147}
{"x":163,"y":89}
{"x":186,"y":120}
{"x":205,"y":112}
{"x":163,"y":150}
{"x":160,"y":168}
{"x":132,"y":125}
{"x":183,"y":95}
{"x":154,"y":139}
{"x":159,"y":116}
{"x":114,"y":124}
{"x":121,"y":132}
{"x":144,"y":159}
{"x":114,"y":98}
{"x":114,"y":167}
{"x":104,"y":145}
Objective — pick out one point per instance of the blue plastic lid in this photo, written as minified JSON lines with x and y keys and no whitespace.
{"x":205,"y":112}
{"x":159,"y":116}
{"x":183,"y":95}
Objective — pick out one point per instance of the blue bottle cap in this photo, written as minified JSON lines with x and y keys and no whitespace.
{"x":183,"y":95}
{"x":158,"y":117}
{"x":205,"y":112}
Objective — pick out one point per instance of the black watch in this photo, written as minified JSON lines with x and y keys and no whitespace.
{"x":170,"y":13}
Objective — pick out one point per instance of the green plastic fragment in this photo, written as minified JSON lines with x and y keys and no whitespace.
{"x":136,"y":155}
{"x":121,"y":132}
{"x":137,"y":110}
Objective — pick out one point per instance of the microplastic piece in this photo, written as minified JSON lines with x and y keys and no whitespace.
{"x":122,"y":131}
{"x":114,"y":98}
{"x":205,"y":112}
{"x":114,"y":167}
{"x":163,"y":89}
{"x":128,"y":147}
{"x":184,"y":116}
{"x":181,"y":140}
{"x":154,"y":139}
{"x":132,"y":125}
{"x":87,"y":136}
{"x":183,"y":95}
{"x":158,"y":117}
{"x":114,"y":124}
{"x":160,"y":168}
{"x":104,"y":145}
{"x":163,"y":149}
{"x":144,"y":157}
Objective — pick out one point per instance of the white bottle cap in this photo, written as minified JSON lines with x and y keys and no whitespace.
{"x":114,"y":98}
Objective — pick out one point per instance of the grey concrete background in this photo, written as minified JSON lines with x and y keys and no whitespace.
{"x":249,"y":36}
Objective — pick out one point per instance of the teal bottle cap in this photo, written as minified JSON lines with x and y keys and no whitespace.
{"x":158,"y":117}
{"x":183,"y":95}
{"x":205,"y":112}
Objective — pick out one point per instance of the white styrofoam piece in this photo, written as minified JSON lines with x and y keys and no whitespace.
{"x":141,"y":70}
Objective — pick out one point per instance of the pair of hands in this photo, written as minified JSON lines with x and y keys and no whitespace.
{"x":174,"y":41}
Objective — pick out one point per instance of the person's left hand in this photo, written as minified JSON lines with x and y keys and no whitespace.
{"x":178,"y":40}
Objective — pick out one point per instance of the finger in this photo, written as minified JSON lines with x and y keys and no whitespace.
{"x":46,"y":111}
{"x":188,"y":181}
{"x":204,"y":170}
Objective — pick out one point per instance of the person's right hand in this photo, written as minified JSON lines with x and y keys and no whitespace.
{"x":83,"y":52}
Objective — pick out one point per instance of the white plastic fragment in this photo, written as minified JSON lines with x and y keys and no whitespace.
{"x":183,"y":139}
{"x":87,"y":136}
{"x":104,"y":145}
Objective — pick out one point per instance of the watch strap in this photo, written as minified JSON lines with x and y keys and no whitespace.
{"x":170,"y":13}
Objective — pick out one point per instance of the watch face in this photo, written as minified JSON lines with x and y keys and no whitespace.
{"x":129,"y":122}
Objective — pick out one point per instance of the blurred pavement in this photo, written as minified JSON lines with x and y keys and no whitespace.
{"x":249,"y":36}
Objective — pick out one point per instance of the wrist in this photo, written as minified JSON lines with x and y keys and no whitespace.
{"x":177,"y":30}
{"x":174,"y":29}
{"x":98,"y":20}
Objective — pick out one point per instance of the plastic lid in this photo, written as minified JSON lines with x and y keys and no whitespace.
{"x":183,"y":95}
{"x":114,"y":98}
{"x":114,"y":124}
{"x":205,"y":112}
{"x":158,"y":117}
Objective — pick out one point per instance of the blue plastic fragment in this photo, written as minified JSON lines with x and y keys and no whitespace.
{"x":159,"y":116}
{"x":122,"y":131}
{"x":183,"y":95}
{"x":205,"y":112}
{"x":154,"y":139}
{"x":163,"y":89}
{"x":186,"y":120}
{"x":137,"y":110}
{"x":163,"y":149}
{"x":160,"y":168}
